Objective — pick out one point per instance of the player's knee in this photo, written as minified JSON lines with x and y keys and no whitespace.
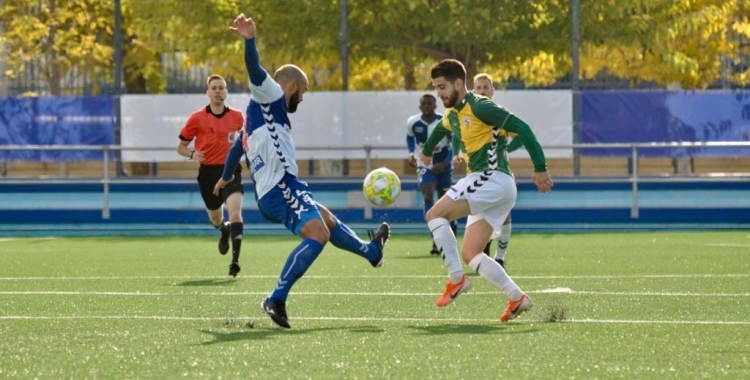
{"x":316,"y":230}
{"x":428,"y":198}
{"x":215,"y":217}
{"x":321,"y":235}
{"x":235,"y":216}
{"x":468,"y":254}
{"x":432,"y":214}
{"x":328,"y":218}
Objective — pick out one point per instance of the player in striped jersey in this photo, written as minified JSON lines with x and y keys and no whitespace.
{"x":483,"y":86}
{"x":487,"y":194}
{"x":281,"y":196}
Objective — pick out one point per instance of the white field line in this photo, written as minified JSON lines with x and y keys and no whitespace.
{"x":250,"y":277}
{"x":3,"y":240}
{"x":364,"y":294}
{"x":728,"y":245}
{"x":363,"y":319}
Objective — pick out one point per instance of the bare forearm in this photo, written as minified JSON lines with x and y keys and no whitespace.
{"x":184,"y":151}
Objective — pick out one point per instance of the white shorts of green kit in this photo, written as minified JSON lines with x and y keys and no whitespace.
{"x":491,"y":195}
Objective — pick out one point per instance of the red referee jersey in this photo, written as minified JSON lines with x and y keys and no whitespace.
{"x":213,"y":134}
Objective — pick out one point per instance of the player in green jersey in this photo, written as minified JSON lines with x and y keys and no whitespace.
{"x":487,"y":194}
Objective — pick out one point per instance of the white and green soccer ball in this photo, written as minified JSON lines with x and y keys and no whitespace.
{"x":382,"y":186}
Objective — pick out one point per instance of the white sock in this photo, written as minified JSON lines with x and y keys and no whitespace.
{"x":491,"y":271}
{"x":502,"y":241}
{"x":446,"y":243}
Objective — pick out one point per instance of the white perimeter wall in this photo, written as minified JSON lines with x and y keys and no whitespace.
{"x":337,"y":120}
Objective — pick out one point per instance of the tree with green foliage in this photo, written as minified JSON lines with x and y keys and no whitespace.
{"x":65,"y":37}
{"x":391,"y":43}
{"x":666,"y":41}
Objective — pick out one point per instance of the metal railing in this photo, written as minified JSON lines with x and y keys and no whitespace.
{"x":633,"y":178}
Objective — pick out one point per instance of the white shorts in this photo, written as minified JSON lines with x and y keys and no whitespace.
{"x":491,"y":196}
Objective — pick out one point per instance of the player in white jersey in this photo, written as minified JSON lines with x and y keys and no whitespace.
{"x":439,"y":174}
{"x":483,"y":86}
{"x":281,"y":196}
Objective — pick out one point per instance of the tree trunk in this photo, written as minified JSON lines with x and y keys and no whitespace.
{"x":410,"y":82}
{"x":53,"y":69}
{"x":135,"y":82}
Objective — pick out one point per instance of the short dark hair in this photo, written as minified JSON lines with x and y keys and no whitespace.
{"x":428,"y":95}
{"x":451,"y":69}
{"x":214,"y":77}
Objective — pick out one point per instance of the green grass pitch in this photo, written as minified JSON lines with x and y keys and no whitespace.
{"x":624,"y":305}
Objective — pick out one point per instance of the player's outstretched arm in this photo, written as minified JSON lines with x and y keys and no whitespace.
{"x":245,"y":28}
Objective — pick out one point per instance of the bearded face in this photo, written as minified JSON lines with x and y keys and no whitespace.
{"x":452,"y":99}
{"x":446,"y":91}
{"x":293,"y":102}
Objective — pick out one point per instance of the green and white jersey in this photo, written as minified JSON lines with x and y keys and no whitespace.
{"x":480,"y":128}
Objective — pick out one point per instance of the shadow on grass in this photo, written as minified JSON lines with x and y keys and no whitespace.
{"x":251,"y":331}
{"x":258,"y":333}
{"x":467,"y":329}
{"x":367,"y":329}
{"x":419,"y":257}
{"x":208,"y":282}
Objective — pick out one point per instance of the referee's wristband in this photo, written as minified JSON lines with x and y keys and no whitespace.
{"x":192,"y":152}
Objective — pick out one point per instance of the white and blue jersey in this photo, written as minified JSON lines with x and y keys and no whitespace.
{"x":417,"y":132}
{"x":267,"y":138}
{"x":267,"y":141}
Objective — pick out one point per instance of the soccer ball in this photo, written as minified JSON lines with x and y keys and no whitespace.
{"x":381,"y":187}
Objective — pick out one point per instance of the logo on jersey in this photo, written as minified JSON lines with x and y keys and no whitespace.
{"x":231,"y":137}
{"x":467,"y":121}
{"x":256,"y":164}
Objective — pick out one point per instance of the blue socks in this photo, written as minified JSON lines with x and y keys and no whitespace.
{"x":343,"y":237}
{"x":302,"y":257}
{"x":296,"y":265}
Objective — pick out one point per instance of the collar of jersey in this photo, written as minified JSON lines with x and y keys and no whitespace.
{"x":463,"y":102}
{"x":208,"y":110}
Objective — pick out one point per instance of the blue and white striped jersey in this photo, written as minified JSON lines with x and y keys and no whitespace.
{"x":266,"y":138}
{"x":417,"y":131}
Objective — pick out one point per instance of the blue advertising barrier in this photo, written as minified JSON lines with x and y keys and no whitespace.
{"x":56,"y":121}
{"x":641,"y":117}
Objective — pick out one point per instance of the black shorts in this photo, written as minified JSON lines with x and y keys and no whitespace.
{"x":208,"y":176}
